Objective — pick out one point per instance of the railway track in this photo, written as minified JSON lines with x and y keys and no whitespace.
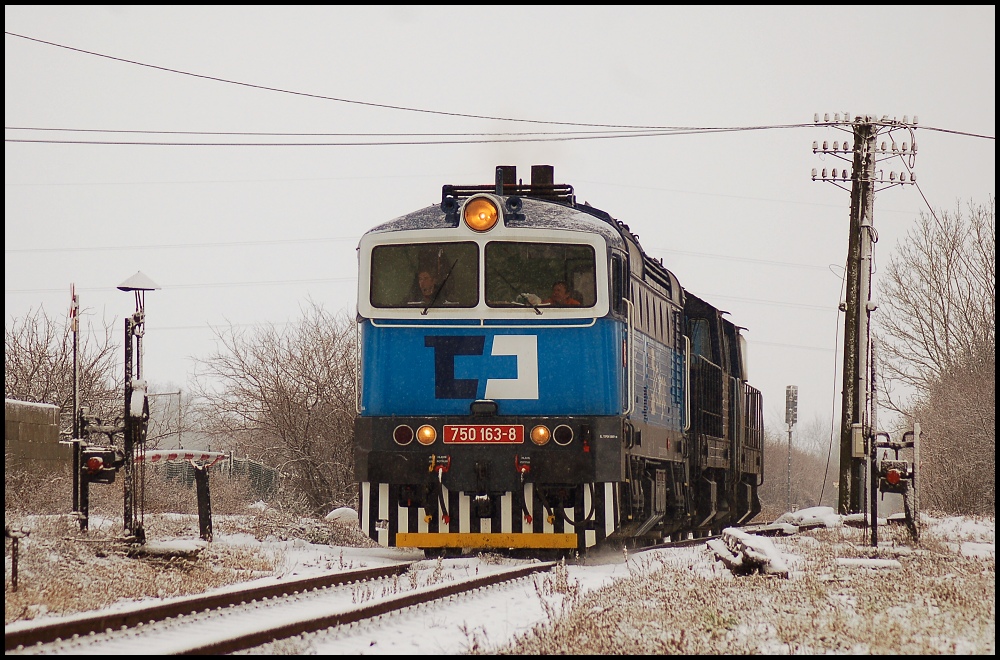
{"x":240,"y":619}
{"x":243,"y":619}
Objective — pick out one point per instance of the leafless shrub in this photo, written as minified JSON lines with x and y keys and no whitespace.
{"x":39,"y":492}
{"x":229,"y":495}
{"x":288,"y":397}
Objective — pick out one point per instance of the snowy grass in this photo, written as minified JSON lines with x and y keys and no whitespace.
{"x":841,"y":596}
{"x":938,"y":601}
{"x":62,"y":570}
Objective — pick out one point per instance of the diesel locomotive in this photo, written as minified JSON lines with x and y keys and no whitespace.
{"x":530,"y":378}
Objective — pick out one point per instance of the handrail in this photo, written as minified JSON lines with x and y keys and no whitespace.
{"x":629,"y":374}
{"x":687,"y":383}
{"x":357,"y":368}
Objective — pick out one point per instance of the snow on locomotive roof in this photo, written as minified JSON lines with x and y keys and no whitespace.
{"x":534,"y":214}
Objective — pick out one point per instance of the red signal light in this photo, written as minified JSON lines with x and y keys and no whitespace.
{"x":892,"y":476}
{"x":95,"y":464}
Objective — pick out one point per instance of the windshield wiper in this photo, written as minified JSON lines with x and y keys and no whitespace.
{"x":439,"y":289}
{"x":518,"y":294}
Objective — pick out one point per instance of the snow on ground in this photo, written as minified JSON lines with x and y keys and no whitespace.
{"x":814,"y":515}
{"x":490,"y":619}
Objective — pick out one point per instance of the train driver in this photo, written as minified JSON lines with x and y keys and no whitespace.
{"x":561,"y":296}
{"x":427,"y":284}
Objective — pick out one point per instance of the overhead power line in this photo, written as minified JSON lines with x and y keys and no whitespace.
{"x":340,"y":239}
{"x":671,"y":129}
{"x":210,"y":285}
{"x":184,"y":246}
{"x":287,"y":134}
{"x":396,"y":143}
{"x":321,"y":96}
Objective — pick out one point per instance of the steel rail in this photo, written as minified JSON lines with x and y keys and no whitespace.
{"x":244,"y":641}
{"x":102,"y":621}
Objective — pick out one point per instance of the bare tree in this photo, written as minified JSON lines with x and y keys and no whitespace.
{"x":288,"y":397}
{"x":938,"y":334}
{"x":38,"y":366}
{"x":939,"y":296}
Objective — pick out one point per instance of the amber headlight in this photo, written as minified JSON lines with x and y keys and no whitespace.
{"x":540,"y":435}
{"x":481,"y":214}
{"x":426,"y":434}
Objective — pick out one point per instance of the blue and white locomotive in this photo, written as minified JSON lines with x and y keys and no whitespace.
{"x":530,"y":378}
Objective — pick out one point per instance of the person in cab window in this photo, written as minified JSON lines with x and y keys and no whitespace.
{"x":560,"y":296}
{"x":429,"y":290}
{"x":427,"y":284}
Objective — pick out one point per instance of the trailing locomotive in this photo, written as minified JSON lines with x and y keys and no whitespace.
{"x":530,"y":378}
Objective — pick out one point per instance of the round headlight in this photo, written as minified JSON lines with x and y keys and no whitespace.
{"x":481,"y":214}
{"x":563,"y":435}
{"x":403,"y":435}
{"x":426,"y":434}
{"x":540,"y":435}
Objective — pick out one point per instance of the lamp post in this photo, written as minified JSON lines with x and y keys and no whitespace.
{"x":74,"y":314}
{"x":136,"y":401}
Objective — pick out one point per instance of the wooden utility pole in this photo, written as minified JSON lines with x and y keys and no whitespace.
{"x":854,"y":409}
{"x":857,"y":422}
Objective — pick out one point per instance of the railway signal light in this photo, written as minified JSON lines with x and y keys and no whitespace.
{"x":98,"y":465}
{"x":791,"y":404}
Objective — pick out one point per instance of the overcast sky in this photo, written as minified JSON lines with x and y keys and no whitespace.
{"x":246,"y":235}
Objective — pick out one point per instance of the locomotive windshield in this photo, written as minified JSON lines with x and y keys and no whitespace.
{"x":425,"y":275}
{"x":540,"y":275}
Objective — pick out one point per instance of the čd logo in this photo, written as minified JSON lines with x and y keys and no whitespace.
{"x":523,"y":347}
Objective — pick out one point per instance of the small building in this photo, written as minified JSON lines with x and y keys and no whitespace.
{"x":31,"y":437}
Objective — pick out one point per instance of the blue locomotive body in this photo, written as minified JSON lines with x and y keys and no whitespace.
{"x":529,"y":378}
{"x":532,"y":368}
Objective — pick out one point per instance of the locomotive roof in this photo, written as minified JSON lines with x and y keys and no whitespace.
{"x":535,"y":213}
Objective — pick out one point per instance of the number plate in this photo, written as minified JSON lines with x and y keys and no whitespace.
{"x":488,"y":434}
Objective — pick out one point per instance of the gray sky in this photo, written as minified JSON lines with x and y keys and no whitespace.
{"x":247,"y":235}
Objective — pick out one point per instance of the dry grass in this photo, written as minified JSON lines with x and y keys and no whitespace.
{"x":62,"y":570}
{"x":940,"y":602}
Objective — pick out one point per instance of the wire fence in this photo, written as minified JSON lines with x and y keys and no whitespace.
{"x":263,"y":480}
